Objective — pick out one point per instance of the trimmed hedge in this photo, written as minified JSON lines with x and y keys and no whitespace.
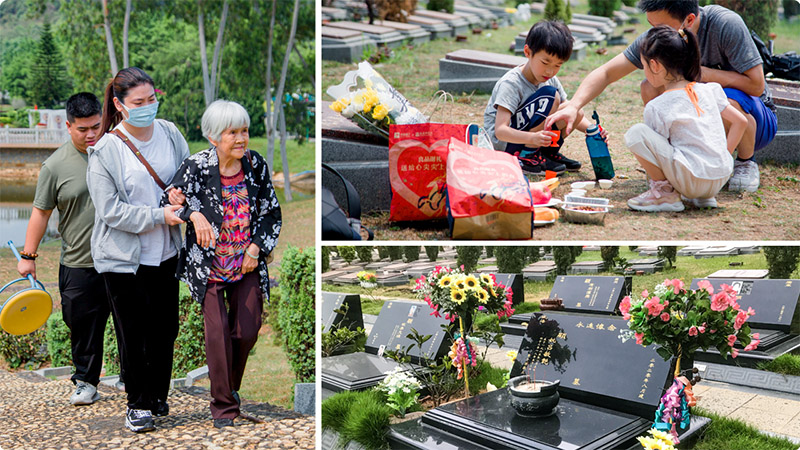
{"x":510,"y":259}
{"x":411,"y":253}
{"x":326,"y":258}
{"x":432,"y":251}
{"x":296,"y":311}
{"x":347,"y":253}
{"x":468,"y":257}
{"x":59,"y":345}
{"x":781,"y":261}
{"x":190,"y":348}
{"x":364,"y":253}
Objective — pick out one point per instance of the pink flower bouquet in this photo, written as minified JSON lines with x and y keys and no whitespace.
{"x":680,"y":321}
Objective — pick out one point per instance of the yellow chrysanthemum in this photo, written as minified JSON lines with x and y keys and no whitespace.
{"x":483,"y":296}
{"x":512,"y":355}
{"x":471,"y":282}
{"x":458,"y":296}
{"x":445,"y":281}
{"x":661,"y":435}
{"x":340,"y":105}
{"x":359,"y":98}
{"x":379,"y":112}
{"x":486,"y":278}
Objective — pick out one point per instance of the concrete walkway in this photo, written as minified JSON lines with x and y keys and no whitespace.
{"x":36,"y":414}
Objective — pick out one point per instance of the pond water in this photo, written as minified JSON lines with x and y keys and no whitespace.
{"x":15,"y":211}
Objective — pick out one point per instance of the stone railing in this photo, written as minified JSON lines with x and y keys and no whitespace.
{"x":32,"y":136}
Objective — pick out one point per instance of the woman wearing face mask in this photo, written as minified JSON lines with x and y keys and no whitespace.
{"x":135,"y":242}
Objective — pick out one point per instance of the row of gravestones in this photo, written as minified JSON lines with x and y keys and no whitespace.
{"x":607,"y":380}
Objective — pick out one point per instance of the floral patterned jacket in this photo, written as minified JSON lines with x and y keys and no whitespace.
{"x":199,"y":179}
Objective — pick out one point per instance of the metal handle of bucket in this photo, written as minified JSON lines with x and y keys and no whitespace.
{"x":30,"y":278}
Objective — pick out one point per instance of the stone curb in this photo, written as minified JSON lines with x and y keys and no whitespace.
{"x":54,"y":371}
{"x":194,"y":375}
{"x":754,"y":378}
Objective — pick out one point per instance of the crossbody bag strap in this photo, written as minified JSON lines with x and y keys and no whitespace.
{"x":139,"y":156}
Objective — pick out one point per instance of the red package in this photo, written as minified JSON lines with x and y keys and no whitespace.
{"x":417,"y":158}
{"x":488,"y":197}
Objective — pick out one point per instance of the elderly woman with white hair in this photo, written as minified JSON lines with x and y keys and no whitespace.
{"x":233,"y":221}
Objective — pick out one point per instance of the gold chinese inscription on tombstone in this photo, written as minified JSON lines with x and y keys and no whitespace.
{"x":647,"y":376}
{"x":543,"y":351}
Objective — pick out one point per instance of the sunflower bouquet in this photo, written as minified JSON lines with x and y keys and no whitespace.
{"x":368,"y":100}
{"x":367,"y":279}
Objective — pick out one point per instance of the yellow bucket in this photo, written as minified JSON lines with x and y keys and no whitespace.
{"x":27,"y":310}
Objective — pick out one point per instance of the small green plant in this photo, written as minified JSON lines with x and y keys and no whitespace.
{"x":28,"y":349}
{"x":564,"y":257}
{"x":110,"y":349}
{"x":432,"y":251}
{"x":468,"y":256}
{"x":609,"y":254}
{"x":367,"y":423}
{"x":670,"y":253}
{"x":326,"y":258}
{"x":59,"y":345}
{"x":383,"y":252}
{"x":296,"y":312}
{"x":190,"y":350}
{"x":411,"y":253}
{"x":534,"y":254}
{"x":781,"y":261}
{"x":346,"y":252}
{"x":621,"y":265}
{"x":555,"y":10}
{"x":338,"y":339}
{"x":603,"y":8}
{"x":401,"y":389}
{"x":364,"y":253}
{"x":787,"y":364}
{"x":489,"y":251}
{"x":441,"y":5}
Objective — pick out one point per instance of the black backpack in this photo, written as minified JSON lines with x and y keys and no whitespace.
{"x":336,"y":225}
{"x":764,"y":51}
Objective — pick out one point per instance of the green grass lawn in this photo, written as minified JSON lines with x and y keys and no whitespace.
{"x":301,"y":156}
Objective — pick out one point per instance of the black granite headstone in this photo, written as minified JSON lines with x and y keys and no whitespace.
{"x":332,"y":302}
{"x":514,"y":281}
{"x":597,"y":294}
{"x":774,"y":301}
{"x":394,"y":323}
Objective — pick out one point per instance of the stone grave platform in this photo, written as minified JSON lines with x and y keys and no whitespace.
{"x":330,"y":13}
{"x":587,"y":267}
{"x":578,"y":46}
{"x":602,"y":406}
{"x":359,"y":156}
{"x":580,"y":294}
{"x":389,"y":279}
{"x":344,"y":45}
{"x":377,"y":265}
{"x":486,"y":17}
{"x":775,"y":303}
{"x":741,"y":274}
{"x":689,"y":250}
{"x":438,"y":29}
{"x":712,"y":252}
{"x":539,"y":271}
{"x":783,"y":149}
{"x":363,"y":370}
{"x":588,"y":35}
{"x":647,"y":250}
{"x":333,"y":301}
{"x":648,"y":265}
{"x":413,"y":34}
{"x":458,"y":25}
{"x":467,"y":70}
{"x":603,"y":28}
{"x":382,"y":36}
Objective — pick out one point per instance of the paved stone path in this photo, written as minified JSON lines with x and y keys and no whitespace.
{"x":36,"y":414}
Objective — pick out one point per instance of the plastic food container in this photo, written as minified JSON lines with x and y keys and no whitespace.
{"x":605,"y":184}
{"x":585,"y":185}
{"x":571,"y":214}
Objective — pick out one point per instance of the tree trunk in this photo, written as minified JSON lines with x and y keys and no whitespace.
{"x":112,"y":56}
{"x":309,"y":72}
{"x":287,"y":186}
{"x":125,"y":28}
{"x":215,"y":63}
{"x":201,"y":31}
{"x":268,"y":97}
{"x":285,"y":68}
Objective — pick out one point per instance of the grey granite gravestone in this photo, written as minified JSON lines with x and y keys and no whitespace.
{"x":610,"y":387}
{"x":486,"y":16}
{"x":741,"y":274}
{"x":593,"y":18}
{"x":647,"y":250}
{"x":539,"y":271}
{"x":783,"y":148}
{"x":362,"y":370}
{"x":514,"y":281}
{"x":748,"y":249}
{"x":586,"y":34}
{"x":457,"y":24}
{"x":587,"y":267}
{"x":380,"y":35}
{"x":775,"y":305}
{"x":328,"y":277}
{"x":578,"y":47}
{"x":334,"y":13}
{"x":466,"y":70}
{"x":413,"y":34}
{"x":362,"y":158}
{"x":332,"y":303}
{"x":689,"y":250}
{"x":391,"y":279}
{"x":343,"y":45}
{"x":377,"y":265}
{"x":603,"y":28}
{"x":647,"y":265}
{"x":711,"y":252}
{"x":437,"y":28}
{"x":487,"y":269}
{"x":472,"y":19}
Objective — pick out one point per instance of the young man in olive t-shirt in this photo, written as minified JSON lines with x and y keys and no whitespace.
{"x":62,"y":185}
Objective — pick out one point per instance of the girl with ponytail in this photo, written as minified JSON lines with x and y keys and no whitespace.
{"x":135,"y":241}
{"x":682,"y":144}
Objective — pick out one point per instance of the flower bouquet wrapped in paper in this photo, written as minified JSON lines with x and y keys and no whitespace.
{"x":369,"y":101}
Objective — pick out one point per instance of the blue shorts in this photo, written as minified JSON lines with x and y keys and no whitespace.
{"x":766,"y":122}
{"x":530,"y":114}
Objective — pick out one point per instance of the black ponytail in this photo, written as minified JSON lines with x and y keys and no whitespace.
{"x":677,"y":51}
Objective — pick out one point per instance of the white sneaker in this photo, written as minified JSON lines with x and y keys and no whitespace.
{"x":701,"y":202}
{"x":85,"y":394}
{"x":745,"y":176}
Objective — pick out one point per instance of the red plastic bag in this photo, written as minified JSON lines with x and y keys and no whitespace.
{"x":417,"y":158}
{"x":488,"y":197}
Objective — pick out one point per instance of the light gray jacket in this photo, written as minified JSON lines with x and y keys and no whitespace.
{"x":117,"y":223}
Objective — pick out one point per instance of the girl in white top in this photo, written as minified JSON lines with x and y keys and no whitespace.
{"x":682,"y":144}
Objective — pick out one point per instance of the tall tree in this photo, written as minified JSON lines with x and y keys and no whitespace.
{"x":49,"y":85}
{"x":210,"y":83}
{"x":125,"y":28}
{"x":112,"y":55}
{"x":268,"y":94}
{"x":280,"y":102}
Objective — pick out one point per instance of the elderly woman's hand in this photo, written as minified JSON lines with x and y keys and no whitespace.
{"x":250,"y":263}
{"x":205,"y":234}
{"x":176,"y":196}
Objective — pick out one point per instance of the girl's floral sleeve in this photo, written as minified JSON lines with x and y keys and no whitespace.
{"x":268,"y":222}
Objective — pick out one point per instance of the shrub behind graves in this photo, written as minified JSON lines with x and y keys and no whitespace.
{"x":59,"y":346}
{"x":563,"y":256}
{"x":347,"y":253}
{"x":383,"y":252}
{"x":190,"y":349}
{"x":395,"y":253}
{"x":630,"y":3}
{"x":790,"y":8}
{"x":411,"y":252}
{"x":27,"y":349}
{"x":577,"y":250}
{"x":468,"y":256}
{"x":603,"y":8}
{"x":489,"y":251}
{"x":110,"y":349}
{"x":364,"y":253}
{"x":555,"y":10}
{"x":781,"y":261}
{"x":567,"y":11}
{"x":534,"y":254}
{"x":441,"y":6}
{"x":759,"y":15}
{"x":668,"y":252}
{"x":432,"y":251}
{"x":296,"y":312}
{"x":608,"y":254}
{"x":326,"y":258}
{"x":510,"y":259}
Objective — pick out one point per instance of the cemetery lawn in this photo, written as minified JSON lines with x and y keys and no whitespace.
{"x":733,"y":434}
{"x":768,"y":214}
{"x":301,"y":156}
